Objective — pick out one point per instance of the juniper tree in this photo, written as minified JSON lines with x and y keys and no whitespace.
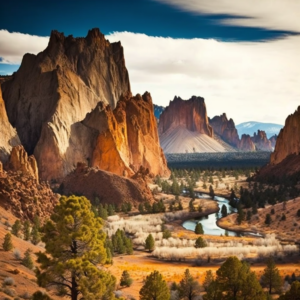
{"x":74,"y":243}
{"x":7,"y":243}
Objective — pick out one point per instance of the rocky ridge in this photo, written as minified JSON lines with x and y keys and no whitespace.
{"x":261,"y":141}
{"x":225,"y":129}
{"x":72,"y":103}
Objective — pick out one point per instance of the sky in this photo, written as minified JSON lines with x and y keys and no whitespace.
{"x":242,"y":56}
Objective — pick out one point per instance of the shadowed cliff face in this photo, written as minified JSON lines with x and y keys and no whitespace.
{"x":64,"y":105}
{"x":226,"y":129}
{"x":288,"y":140}
{"x":8,"y":135}
{"x":261,"y":141}
{"x":190,"y":114}
{"x":60,"y":85}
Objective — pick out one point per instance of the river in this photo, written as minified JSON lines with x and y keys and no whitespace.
{"x":209,"y":223}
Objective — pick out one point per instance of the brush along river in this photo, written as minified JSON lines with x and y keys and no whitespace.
{"x":209,"y":222}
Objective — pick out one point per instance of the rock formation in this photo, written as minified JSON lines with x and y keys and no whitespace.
{"x":225,"y":129}
{"x":184,"y":127}
{"x":288,"y":141}
{"x":246,"y":143}
{"x":108,"y":187}
{"x":8,"y":135}
{"x":1,"y":167}
{"x":190,"y":114}
{"x":25,"y":197}
{"x":19,"y":161}
{"x":64,"y":105}
{"x":273,"y":140}
{"x":261,"y":141}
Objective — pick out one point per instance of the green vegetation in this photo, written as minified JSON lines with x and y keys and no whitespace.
{"x":126,"y":280}
{"x":27,"y":260}
{"x":74,"y":243}
{"x":199,"y":229}
{"x":271,"y":278}
{"x":120,"y":243}
{"x":189,"y":288}
{"x":16,"y":228}
{"x":200,"y":242}
{"x":7,"y":243}
{"x":155,"y":288}
{"x":149,"y":243}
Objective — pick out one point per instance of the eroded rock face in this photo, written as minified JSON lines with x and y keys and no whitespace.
{"x":225,"y":129}
{"x":8,"y":135}
{"x":190,"y":114}
{"x":1,"y":167}
{"x":261,"y":141}
{"x":19,"y":161}
{"x":25,"y":197}
{"x":273,"y":140}
{"x":53,"y":91}
{"x":288,"y":141}
{"x":127,"y":137}
{"x":246,"y":143}
{"x":108,"y":187}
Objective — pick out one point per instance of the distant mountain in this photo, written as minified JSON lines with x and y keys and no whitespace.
{"x":158,"y":110}
{"x":251,"y":127}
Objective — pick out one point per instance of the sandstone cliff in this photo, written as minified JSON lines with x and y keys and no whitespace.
{"x":190,"y":114}
{"x":64,"y":105}
{"x":288,"y":141}
{"x":246,"y":143}
{"x":19,"y":161}
{"x":8,"y":135}
{"x":108,"y":187}
{"x":225,"y":129}
{"x":261,"y":141}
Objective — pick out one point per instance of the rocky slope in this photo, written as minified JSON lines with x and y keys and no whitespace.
{"x":261,"y":141}
{"x":64,"y":105}
{"x":20,"y":191}
{"x":273,"y":140}
{"x":225,"y":129}
{"x":8,"y":135}
{"x":108,"y":187}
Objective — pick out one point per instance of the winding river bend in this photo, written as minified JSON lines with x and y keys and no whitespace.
{"x":209,"y":223}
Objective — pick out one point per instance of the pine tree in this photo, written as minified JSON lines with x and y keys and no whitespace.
{"x":27,"y":260}
{"x":35,"y":235}
{"x":126,"y":280}
{"x":149,"y":243}
{"x":7,"y":243}
{"x":155,"y":288}
{"x":200,"y":242}
{"x":271,"y":278}
{"x":16,"y":228}
{"x":199,"y":229}
{"x":74,"y":243}
{"x":189,"y":288}
{"x":26,"y":230}
{"x":224,"y":210}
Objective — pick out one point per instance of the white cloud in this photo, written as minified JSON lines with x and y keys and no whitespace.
{"x":13,"y":45}
{"x":248,"y":81}
{"x":271,"y":14}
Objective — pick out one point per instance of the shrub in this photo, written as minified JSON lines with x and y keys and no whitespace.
{"x":9,"y":292}
{"x":8,"y":281}
{"x":27,"y":260}
{"x":39,"y":295}
{"x":126,"y":280}
{"x":7,"y":244}
{"x":17,"y":254}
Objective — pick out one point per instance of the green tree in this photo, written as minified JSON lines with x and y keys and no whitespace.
{"x":16,"y":228}
{"x":7,"y":243}
{"x":125,"y":280}
{"x":27,"y":260}
{"x":224,"y":210}
{"x":268,"y":219}
{"x":293,"y":293}
{"x":189,"y":288}
{"x":211,"y":192}
{"x":200,"y":242}
{"x":149,"y":243}
{"x":209,"y":278}
{"x":38,"y":295}
{"x":26,"y":230}
{"x":271,"y":278}
{"x":199,"y":229}
{"x":35,"y":235}
{"x":155,"y":288}
{"x":74,"y":243}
